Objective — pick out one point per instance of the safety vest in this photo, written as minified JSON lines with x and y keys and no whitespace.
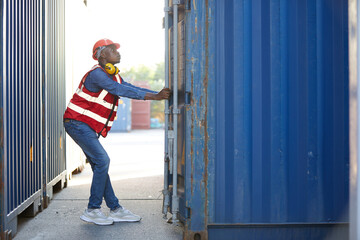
{"x":93,"y":108}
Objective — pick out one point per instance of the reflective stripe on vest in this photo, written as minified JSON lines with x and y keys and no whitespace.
{"x":90,"y":114}
{"x":98,"y":100}
{"x":93,"y":108}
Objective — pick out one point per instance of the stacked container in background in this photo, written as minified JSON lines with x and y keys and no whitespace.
{"x":123,"y":116}
{"x":140,"y":109}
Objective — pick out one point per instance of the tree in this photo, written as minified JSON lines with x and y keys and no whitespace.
{"x":156,"y":79}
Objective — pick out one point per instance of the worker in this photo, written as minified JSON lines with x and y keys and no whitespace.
{"x":90,"y":114}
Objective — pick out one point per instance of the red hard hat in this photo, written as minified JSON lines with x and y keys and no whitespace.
{"x":101,"y":43}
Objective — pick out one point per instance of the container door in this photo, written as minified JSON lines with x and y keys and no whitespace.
{"x":181,"y":116}
{"x":177,"y":137}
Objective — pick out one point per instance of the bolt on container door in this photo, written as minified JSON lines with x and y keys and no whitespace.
{"x":21,"y":110}
{"x":55,"y":94}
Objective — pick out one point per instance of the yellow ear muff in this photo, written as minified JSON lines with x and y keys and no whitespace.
{"x":111,"y":69}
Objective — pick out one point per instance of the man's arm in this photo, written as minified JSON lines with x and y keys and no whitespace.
{"x":98,"y":80}
{"x":139,"y":88}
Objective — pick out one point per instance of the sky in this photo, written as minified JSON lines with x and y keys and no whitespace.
{"x":135,"y":24}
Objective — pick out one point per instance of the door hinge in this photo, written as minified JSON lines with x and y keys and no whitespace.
{"x":188,"y":5}
{"x":187,"y":98}
{"x":178,"y":2}
{"x":171,"y":134}
{"x":188,"y":212}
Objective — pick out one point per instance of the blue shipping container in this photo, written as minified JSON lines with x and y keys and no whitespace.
{"x":31,"y":154}
{"x":54,"y":96}
{"x":262,"y":142}
{"x":123,"y":116}
{"x":21,"y":112}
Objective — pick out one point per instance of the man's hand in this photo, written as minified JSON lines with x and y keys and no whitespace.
{"x":163,"y":94}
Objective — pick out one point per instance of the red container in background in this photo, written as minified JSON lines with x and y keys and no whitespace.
{"x":140,"y":113}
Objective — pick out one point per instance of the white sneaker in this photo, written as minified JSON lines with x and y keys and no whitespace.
{"x":96,"y":216}
{"x":123,"y":215}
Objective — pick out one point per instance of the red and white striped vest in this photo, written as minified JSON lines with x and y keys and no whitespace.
{"x":93,"y":108}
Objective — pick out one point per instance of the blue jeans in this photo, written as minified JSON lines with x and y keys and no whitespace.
{"x":88,"y":141}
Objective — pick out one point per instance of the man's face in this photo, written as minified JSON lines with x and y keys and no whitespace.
{"x":111,"y":54}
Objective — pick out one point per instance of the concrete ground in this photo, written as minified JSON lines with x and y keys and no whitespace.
{"x":136,"y":172}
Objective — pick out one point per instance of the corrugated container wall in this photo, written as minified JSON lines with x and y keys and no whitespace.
{"x":284,"y":92}
{"x":55,"y":94}
{"x":25,"y":107}
{"x":21,"y":108}
{"x":266,"y":149}
{"x":282,"y":111}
